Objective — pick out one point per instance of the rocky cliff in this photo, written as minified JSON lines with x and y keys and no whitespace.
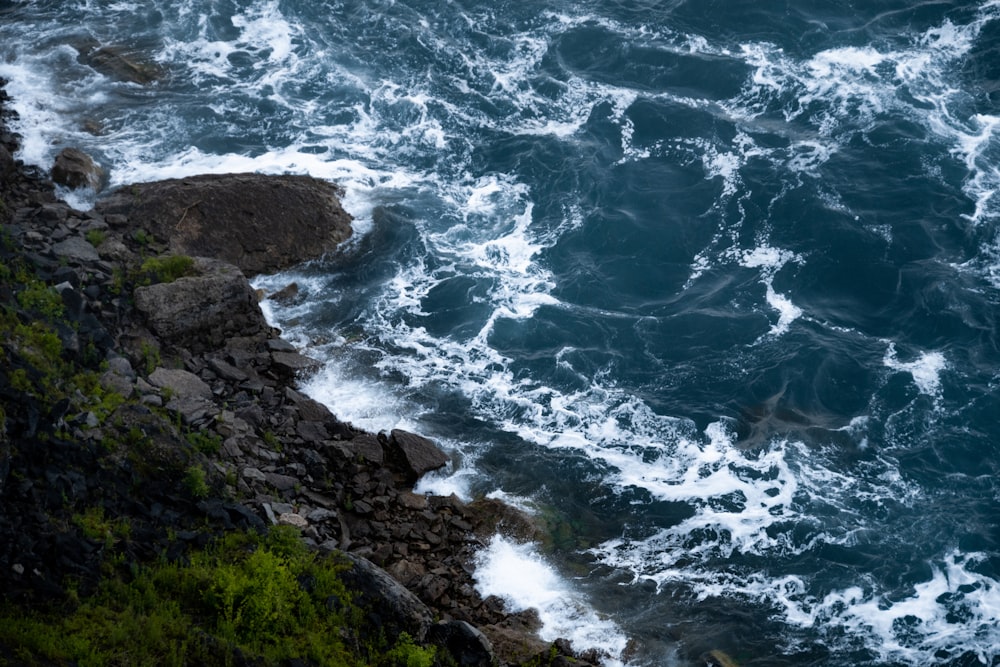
{"x":147,"y":410}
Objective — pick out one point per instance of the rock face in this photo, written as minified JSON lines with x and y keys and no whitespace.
{"x":419,"y":454}
{"x":260,"y":223}
{"x":75,"y":169}
{"x":203,"y":309}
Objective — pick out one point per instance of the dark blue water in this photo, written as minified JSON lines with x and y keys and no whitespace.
{"x":710,"y":287}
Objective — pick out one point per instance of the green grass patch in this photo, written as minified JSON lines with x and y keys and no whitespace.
{"x":269,"y":597}
{"x":166,"y":269}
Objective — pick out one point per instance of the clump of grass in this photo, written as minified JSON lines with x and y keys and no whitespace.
{"x":167,"y":268}
{"x":194,"y":481}
{"x":95,"y":237}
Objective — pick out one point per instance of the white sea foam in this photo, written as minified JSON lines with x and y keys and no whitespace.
{"x":520,"y":576}
{"x":771,"y":260}
{"x":925,"y":369}
{"x":953,"y":613}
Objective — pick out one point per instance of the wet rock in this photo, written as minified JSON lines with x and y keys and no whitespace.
{"x":260,"y":223}
{"x":292,"y":363}
{"x":419,"y":454}
{"x":75,"y":169}
{"x":286,"y":294}
{"x":118,"y":63}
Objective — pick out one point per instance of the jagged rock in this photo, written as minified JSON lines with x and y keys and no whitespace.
{"x":203,"y":309}
{"x":292,"y":519}
{"x":7,"y":164}
{"x":182,"y":384}
{"x":419,"y":454}
{"x":293,"y":363}
{"x":366,"y":447}
{"x":260,"y":223}
{"x":392,"y":609}
{"x":75,"y":169}
{"x":192,"y":411}
{"x":286,"y":294}
{"x":281,"y":482}
{"x":467,"y":645}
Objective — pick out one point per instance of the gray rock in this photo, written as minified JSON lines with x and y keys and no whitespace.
{"x":260,"y":223}
{"x":76,"y":249}
{"x":321,"y":514}
{"x":281,"y":482}
{"x":227,"y":371}
{"x":467,"y":645}
{"x":291,"y":519}
{"x":270,"y":514}
{"x":292,"y":363}
{"x":182,"y":384}
{"x":367,"y":447}
{"x":419,"y":454}
{"x":254,"y":474}
{"x":193,"y":411}
{"x":399,"y":609}
{"x":203,"y":309}
{"x":75,"y":169}
{"x":120,"y":384}
{"x":118,"y":63}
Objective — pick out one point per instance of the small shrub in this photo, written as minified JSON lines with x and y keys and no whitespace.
{"x":42,"y":299}
{"x":206,"y":443}
{"x":142,"y":237}
{"x":194,"y":481}
{"x":167,"y":269}
{"x":95,"y":237}
{"x":408,"y":654}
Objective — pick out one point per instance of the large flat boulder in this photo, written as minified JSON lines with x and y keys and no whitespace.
{"x":260,"y":223}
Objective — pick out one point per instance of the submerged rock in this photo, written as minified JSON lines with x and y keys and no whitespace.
{"x":116,"y":63}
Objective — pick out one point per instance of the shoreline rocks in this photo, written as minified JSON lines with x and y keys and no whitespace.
{"x":259,"y":223}
{"x":206,"y":385}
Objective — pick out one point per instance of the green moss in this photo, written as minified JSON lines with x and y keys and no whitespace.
{"x":206,"y":443}
{"x":166,"y":269}
{"x":95,"y":237}
{"x":96,"y":526}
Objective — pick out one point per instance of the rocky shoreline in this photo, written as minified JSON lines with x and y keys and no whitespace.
{"x":192,"y":425}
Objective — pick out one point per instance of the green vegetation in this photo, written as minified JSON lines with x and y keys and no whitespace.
{"x":166,"y":269}
{"x":267,"y":598}
{"x":40,"y":298}
{"x":142,"y":237}
{"x":205,"y":442}
{"x":194,"y":481}
{"x":95,"y":237}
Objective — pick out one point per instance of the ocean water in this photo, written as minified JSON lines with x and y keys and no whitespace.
{"x":711,"y":287}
